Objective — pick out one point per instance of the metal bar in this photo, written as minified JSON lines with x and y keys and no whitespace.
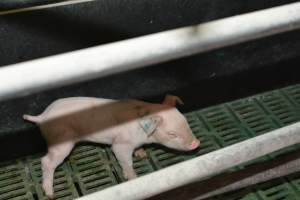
{"x":201,"y":167}
{"x":73,"y":67}
{"x":270,"y":174}
{"x":44,"y":6}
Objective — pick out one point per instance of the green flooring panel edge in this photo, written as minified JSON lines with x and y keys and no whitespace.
{"x":92,"y":167}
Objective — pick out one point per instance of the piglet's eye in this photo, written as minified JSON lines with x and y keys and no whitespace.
{"x":172,"y":134}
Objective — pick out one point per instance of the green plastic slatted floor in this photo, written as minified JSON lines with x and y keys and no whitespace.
{"x":91,"y":168}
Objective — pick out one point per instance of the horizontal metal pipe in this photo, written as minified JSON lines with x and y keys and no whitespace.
{"x":201,"y":167}
{"x":273,"y":173}
{"x":44,"y":6}
{"x":64,"y":69}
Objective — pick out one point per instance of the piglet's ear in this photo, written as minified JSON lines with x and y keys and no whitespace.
{"x":150,"y":123}
{"x":172,"y":100}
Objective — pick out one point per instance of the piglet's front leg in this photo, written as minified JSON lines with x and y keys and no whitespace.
{"x":123,"y":152}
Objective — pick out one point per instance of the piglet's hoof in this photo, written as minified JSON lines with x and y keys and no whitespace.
{"x":48,"y":191}
{"x":50,"y":196}
{"x":141,"y":153}
{"x":129,"y":176}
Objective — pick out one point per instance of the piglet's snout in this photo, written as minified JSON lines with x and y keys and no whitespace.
{"x":194,"y":144}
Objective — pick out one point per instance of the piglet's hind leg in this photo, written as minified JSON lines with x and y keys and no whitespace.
{"x":141,"y":153}
{"x":55,"y":156}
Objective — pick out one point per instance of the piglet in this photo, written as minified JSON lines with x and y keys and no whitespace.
{"x":125,"y":124}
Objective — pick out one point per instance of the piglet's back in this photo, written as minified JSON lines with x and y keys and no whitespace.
{"x":82,"y":116}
